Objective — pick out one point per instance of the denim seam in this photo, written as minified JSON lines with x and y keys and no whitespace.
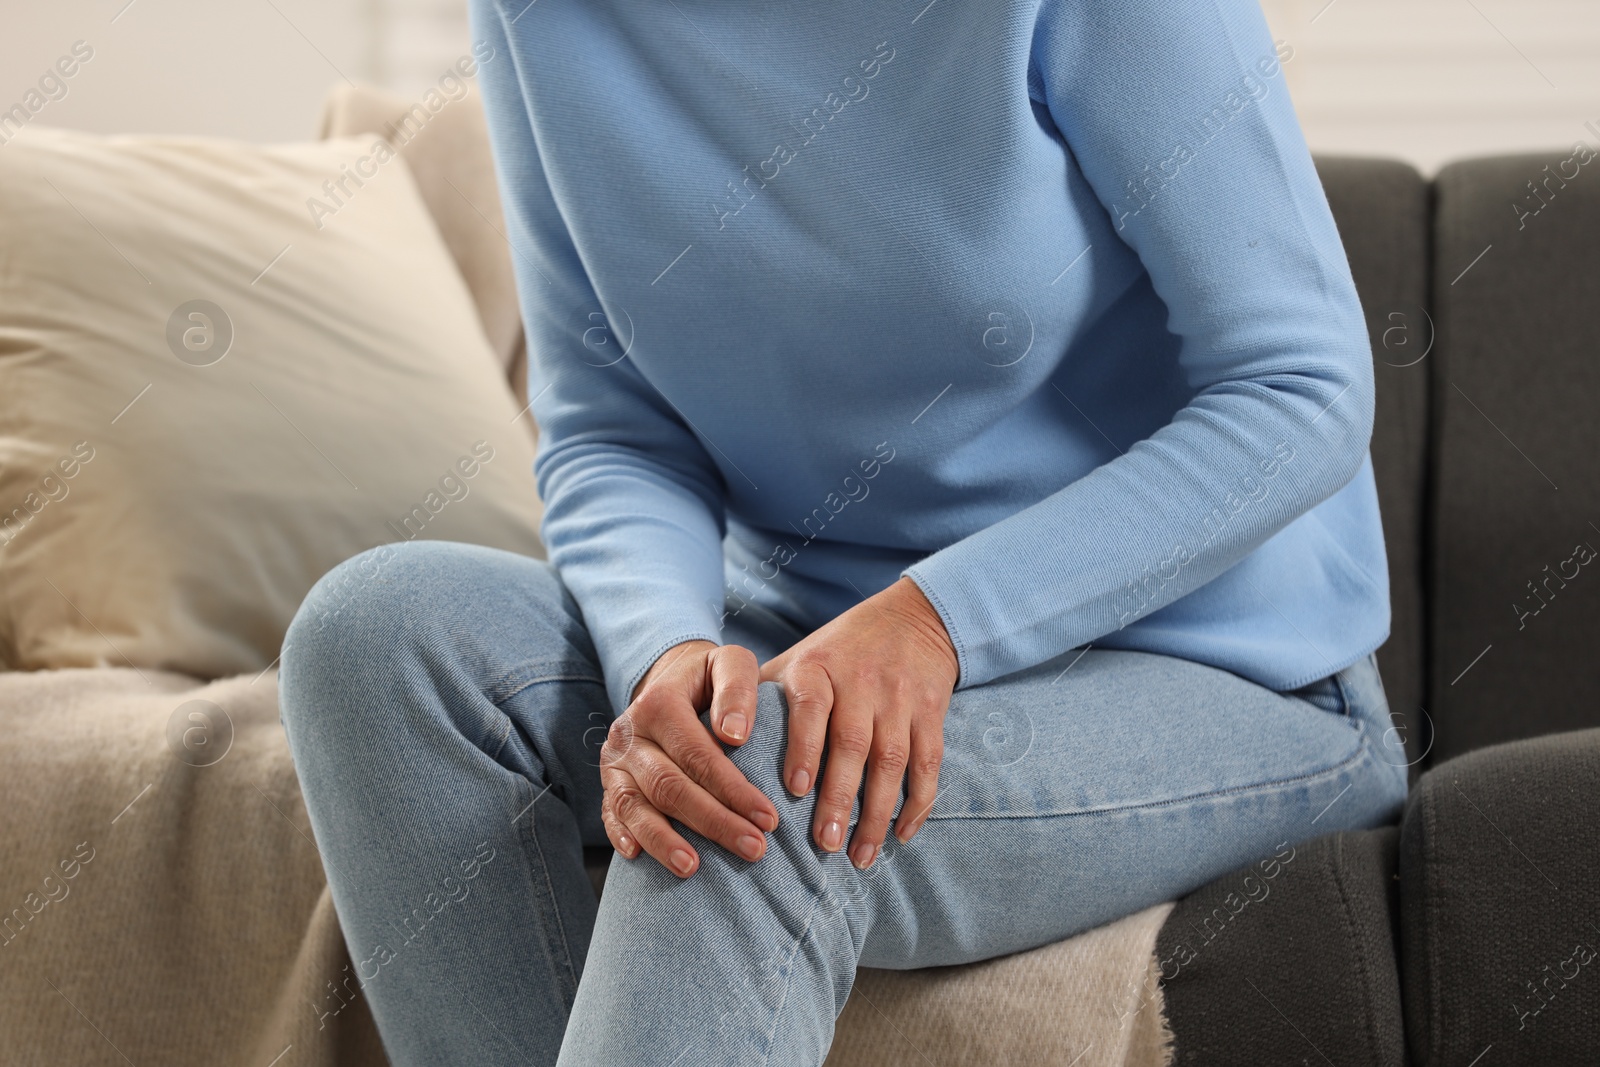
{"x":1363,"y":750}
{"x":505,"y":732}
{"x":505,"y":735}
{"x":788,"y":978}
{"x":1345,"y":703}
{"x":532,"y":835}
{"x":515,"y":681}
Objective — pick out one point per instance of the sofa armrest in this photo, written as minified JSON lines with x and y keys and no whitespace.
{"x":1498,"y":859}
{"x":1290,"y":961}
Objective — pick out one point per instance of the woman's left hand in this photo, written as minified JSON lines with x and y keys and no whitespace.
{"x":874,"y":685}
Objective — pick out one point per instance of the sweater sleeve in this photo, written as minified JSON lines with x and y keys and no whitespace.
{"x":633,"y":518}
{"x":1179,"y":119}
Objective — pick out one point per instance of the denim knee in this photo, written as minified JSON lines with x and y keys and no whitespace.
{"x":760,"y":758}
{"x":320,"y":640}
{"x":414,"y":632}
{"x":366,"y":623}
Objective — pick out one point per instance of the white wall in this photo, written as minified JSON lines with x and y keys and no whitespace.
{"x":1434,"y":80}
{"x":1424,"y":80}
{"x":250,"y":69}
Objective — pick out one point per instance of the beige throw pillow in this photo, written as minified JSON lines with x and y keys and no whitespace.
{"x":446,"y":148}
{"x":224,"y":368}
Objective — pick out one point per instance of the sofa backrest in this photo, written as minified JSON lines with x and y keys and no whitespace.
{"x":1476,"y":287}
{"x":1381,"y":209}
{"x":1515,"y":519}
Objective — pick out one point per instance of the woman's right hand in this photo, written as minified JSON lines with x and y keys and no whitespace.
{"x":660,"y":763}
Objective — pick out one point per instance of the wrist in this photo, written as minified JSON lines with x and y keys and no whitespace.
{"x":665,"y":661}
{"x":925,"y":619}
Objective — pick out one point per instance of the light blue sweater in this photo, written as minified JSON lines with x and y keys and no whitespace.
{"x":1039,"y":302}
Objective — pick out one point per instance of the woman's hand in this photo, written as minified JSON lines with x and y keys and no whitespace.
{"x":658,"y":761}
{"x":874,"y":684}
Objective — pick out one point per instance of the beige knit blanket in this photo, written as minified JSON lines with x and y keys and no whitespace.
{"x":162,"y":902}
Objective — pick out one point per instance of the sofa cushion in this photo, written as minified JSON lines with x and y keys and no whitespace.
{"x":445,"y":143}
{"x":1499,"y":865}
{"x":1093,"y":1000}
{"x":1289,"y":961}
{"x":225,"y":368}
{"x":1516,"y":585}
{"x":164,"y":902}
{"x":1382,"y":211}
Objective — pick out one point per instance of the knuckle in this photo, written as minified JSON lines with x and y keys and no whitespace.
{"x":890,"y":756}
{"x":807,"y":749}
{"x":839,"y":796}
{"x":649,"y":704}
{"x":802,"y":690}
{"x":739,"y":692}
{"x":619,"y":738}
{"x":851,"y":739}
{"x":695,"y":761}
{"x":627,"y":805}
{"x":669,"y":790}
{"x":804,"y":702}
{"x":806,"y":675}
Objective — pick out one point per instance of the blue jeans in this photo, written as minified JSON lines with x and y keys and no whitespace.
{"x":445,"y":713}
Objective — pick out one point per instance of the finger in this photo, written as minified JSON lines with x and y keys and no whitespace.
{"x":670,"y":723}
{"x":772,"y":670}
{"x":651,"y":829}
{"x":809,"y":693}
{"x":733,"y":693}
{"x":616,"y":830}
{"x":927,"y":754}
{"x":886,"y":771}
{"x":849,"y":741}
{"x":687,"y":745}
{"x":673,"y":793}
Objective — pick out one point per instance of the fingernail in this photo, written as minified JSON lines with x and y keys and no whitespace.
{"x":799,"y":782}
{"x":832,"y":835}
{"x":864,"y":855}
{"x":766,"y":820}
{"x":734,"y":725}
{"x":682,"y":862}
{"x":750,"y":847}
{"x":627,"y":844}
{"x":905,"y":833}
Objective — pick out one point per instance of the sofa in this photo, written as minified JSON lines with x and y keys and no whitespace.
{"x":165,"y":902}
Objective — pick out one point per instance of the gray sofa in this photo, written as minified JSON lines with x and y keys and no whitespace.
{"x":1468,"y":934}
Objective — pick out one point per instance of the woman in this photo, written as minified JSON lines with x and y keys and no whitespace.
{"x":954,"y":443}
